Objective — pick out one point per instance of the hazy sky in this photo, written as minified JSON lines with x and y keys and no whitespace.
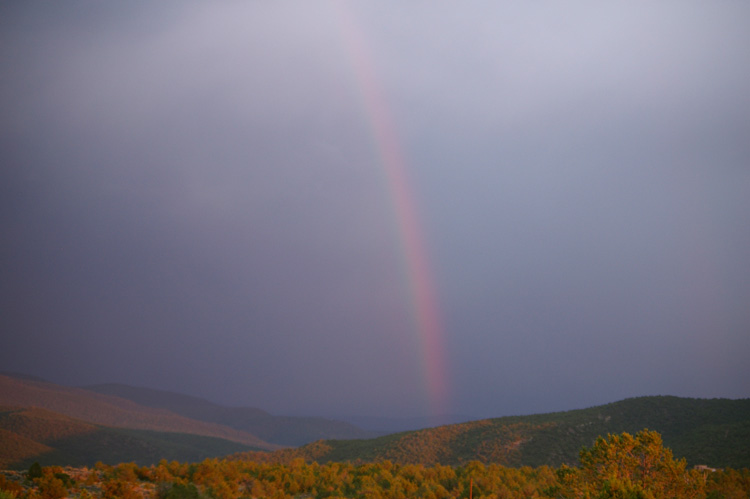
{"x":195,"y":197}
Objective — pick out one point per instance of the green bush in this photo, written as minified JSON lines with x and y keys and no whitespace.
{"x":35,"y":471}
{"x":180,"y":491}
{"x":65,"y":479}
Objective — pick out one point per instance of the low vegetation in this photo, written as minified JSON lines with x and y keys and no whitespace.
{"x":619,"y":466}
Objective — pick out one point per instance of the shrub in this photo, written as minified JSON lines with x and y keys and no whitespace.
{"x":35,"y":471}
{"x":180,"y":491}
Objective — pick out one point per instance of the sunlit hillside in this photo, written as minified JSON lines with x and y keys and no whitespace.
{"x":30,"y":435}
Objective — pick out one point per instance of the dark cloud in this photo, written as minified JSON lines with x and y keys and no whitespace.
{"x":193,"y":199}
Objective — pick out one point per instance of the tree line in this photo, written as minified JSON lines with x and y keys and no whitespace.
{"x":619,"y":466}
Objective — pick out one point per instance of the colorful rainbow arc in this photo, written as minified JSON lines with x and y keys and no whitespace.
{"x":426,"y":312}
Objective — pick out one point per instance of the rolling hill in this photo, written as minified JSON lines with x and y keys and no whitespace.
{"x":384,"y":426}
{"x":47,"y":422}
{"x":34,"y":434}
{"x":715,"y":432}
{"x":281,"y":430}
{"x":113,"y":411}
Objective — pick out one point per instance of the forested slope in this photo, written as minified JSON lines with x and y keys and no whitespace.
{"x":714,"y":432}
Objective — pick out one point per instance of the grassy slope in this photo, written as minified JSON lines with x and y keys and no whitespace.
{"x":33,"y":434}
{"x":714,"y":432}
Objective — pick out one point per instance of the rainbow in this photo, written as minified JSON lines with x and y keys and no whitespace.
{"x":426,"y":314}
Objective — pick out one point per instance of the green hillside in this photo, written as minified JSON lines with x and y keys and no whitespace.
{"x":715,"y":432}
{"x":33,"y":434}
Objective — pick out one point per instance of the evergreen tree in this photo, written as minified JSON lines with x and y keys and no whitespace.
{"x":35,"y":471}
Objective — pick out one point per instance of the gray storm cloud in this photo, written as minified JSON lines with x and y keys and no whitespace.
{"x":192,"y":199}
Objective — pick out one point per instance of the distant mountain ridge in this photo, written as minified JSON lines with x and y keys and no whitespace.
{"x":27,"y":377}
{"x":281,"y":430}
{"x":186,"y":405}
{"x":385,"y":426}
{"x":113,"y":411}
{"x":62,"y":425}
{"x":54,"y":424}
{"x":34,"y":434}
{"x":715,"y":432}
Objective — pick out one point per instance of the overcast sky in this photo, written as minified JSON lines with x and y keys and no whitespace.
{"x":193,"y":197}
